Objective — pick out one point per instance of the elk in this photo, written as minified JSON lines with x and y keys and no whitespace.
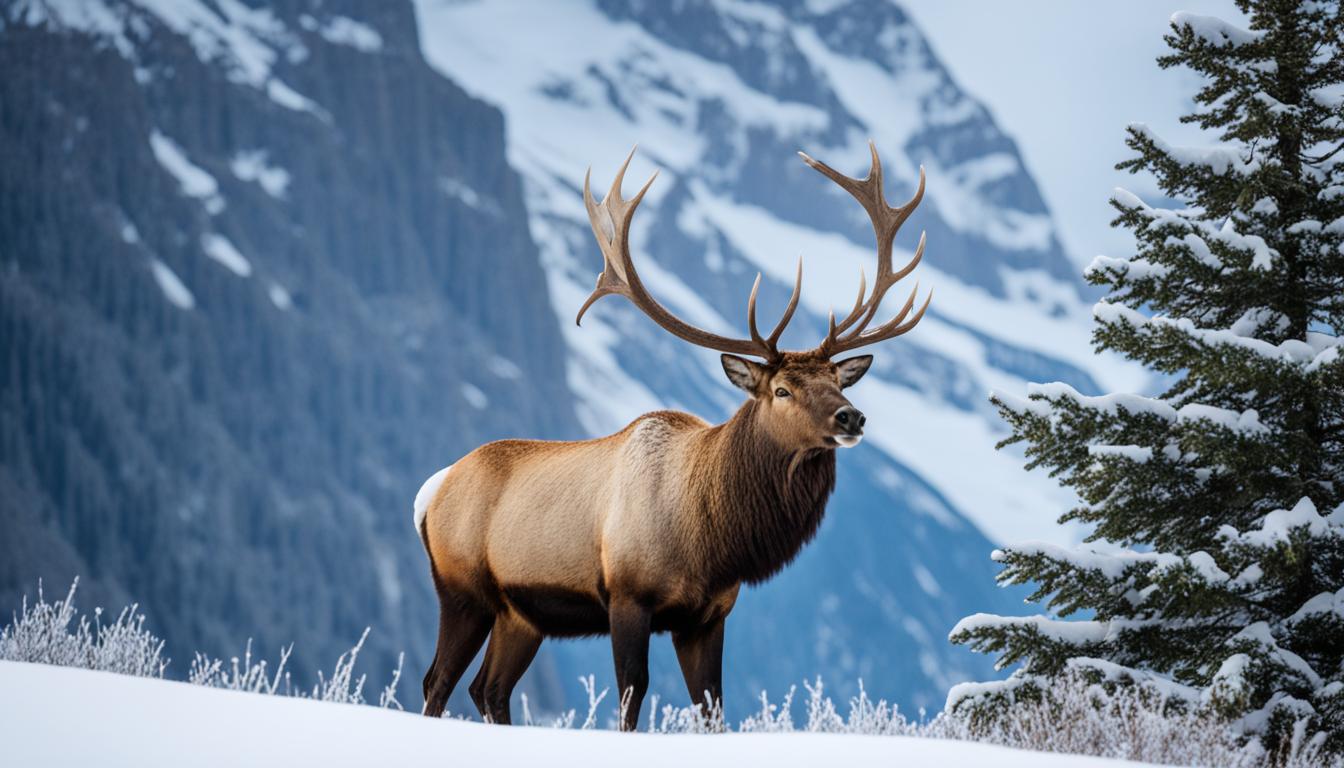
{"x":652,"y":529}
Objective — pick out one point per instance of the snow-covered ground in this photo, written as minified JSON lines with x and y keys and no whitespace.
{"x":56,"y":716}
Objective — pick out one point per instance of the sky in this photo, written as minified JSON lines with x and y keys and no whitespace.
{"x":1064,"y":78}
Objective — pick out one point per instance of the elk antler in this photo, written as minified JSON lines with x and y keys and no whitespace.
{"x":611,"y":226}
{"x":887,"y":221}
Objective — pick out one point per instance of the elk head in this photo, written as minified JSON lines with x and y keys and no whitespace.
{"x":799,"y":396}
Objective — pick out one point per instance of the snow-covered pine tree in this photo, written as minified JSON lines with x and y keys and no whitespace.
{"x":1216,"y":566}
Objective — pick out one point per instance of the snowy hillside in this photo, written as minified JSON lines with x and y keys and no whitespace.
{"x":145,"y":722}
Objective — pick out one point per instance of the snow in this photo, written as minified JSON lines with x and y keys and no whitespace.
{"x":1111,"y":564}
{"x":1219,"y":160}
{"x":1249,"y":577}
{"x":1324,"y":603}
{"x":148,"y":722}
{"x":279,"y":296}
{"x":1116,"y":672}
{"x":92,"y":16}
{"x":1109,"y":403}
{"x":1279,"y":525}
{"x":1316,"y":350}
{"x":1260,"y":633}
{"x":426,"y":494}
{"x":291,"y":99}
{"x":1204,"y":565}
{"x":464,"y":192}
{"x":246,"y":40}
{"x":474,"y":396}
{"x":1265,"y":206}
{"x":343,"y":30}
{"x":970,"y":690}
{"x":504,"y":368}
{"x":226,"y":253}
{"x":1245,"y":422}
{"x":252,"y":165}
{"x":1214,"y":30}
{"x":926,"y":580}
{"x":1135,"y":453}
{"x":173,"y":288}
{"x":192,"y":179}
{"x":1132,"y":269}
{"x":1071,"y":632}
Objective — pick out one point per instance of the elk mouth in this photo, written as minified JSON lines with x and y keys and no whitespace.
{"x":844,"y":440}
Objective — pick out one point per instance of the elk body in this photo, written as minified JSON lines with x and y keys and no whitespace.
{"x":655,"y":528}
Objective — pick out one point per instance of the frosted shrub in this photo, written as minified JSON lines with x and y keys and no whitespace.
{"x":1140,"y":721}
{"x":1076,"y":716}
{"x":254,"y":676}
{"x":55,"y":633}
{"x":246,"y":675}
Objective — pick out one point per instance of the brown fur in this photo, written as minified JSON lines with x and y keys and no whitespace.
{"x":654,"y":527}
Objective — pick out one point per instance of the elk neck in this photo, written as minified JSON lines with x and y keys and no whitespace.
{"x":761,"y":502}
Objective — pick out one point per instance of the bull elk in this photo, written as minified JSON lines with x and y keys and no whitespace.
{"x":652,"y":529}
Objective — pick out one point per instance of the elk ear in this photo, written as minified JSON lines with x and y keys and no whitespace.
{"x":852,"y":370}
{"x":744,"y":374}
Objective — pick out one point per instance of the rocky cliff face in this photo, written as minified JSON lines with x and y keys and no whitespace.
{"x":263,"y":272}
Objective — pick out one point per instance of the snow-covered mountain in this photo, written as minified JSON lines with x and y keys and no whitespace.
{"x":267,"y":268}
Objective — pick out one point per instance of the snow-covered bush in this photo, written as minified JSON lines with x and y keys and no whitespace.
{"x":1077,"y":713}
{"x":55,"y":633}
{"x":254,"y":676}
{"x":48,"y":633}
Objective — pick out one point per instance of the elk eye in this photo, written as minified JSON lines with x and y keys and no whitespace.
{"x":781,"y":392}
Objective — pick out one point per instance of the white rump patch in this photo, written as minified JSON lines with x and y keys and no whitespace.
{"x":426,"y":495}
{"x":848,"y":441}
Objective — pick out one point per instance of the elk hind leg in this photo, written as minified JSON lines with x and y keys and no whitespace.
{"x":463,"y":624}
{"x":513,"y":645}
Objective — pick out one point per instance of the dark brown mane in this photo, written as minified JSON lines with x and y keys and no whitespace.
{"x":758,"y":517}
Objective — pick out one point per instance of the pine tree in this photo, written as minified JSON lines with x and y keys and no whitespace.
{"x":1216,"y":566}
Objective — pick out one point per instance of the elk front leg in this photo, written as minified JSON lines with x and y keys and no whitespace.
{"x":630,"y":649}
{"x":700,"y":652}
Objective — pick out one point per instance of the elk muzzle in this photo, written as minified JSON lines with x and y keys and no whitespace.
{"x":849,"y":423}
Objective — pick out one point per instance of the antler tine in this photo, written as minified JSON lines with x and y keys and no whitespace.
{"x":773,"y":341}
{"x":888,"y":330}
{"x":610,"y":222}
{"x":771,"y":344}
{"x":751,"y":312}
{"x":886,"y":222}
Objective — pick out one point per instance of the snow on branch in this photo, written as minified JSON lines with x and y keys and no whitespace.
{"x":1112,"y":565}
{"x":1109,"y":404}
{"x":1069,"y":632}
{"x":1219,"y":160}
{"x":1278,"y":526}
{"x":1214,"y":30}
{"x":1318,"y":349}
{"x":1326,"y":604}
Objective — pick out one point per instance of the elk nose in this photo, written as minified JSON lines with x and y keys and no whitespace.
{"x":850,"y":419}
